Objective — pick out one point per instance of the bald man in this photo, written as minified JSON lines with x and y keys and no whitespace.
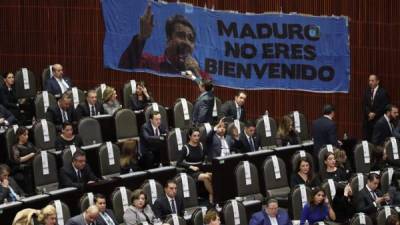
{"x":86,"y":218}
{"x":58,"y":83}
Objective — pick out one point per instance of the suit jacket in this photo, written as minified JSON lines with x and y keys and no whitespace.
{"x":162,"y":207}
{"x":381,"y":100}
{"x":262,"y":218}
{"x":100,"y":220}
{"x":53,"y":115}
{"x":5,"y":192}
{"x":83,"y":110}
{"x":69,"y":178}
{"x":77,"y":220}
{"x":54,"y":88}
{"x":7,"y":115}
{"x":8,"y":98}
{"x":214,"y":146}
{"x":137,"y":104}
{"x":365,"y":201}
{"x":229,"y":110}
{"x":381,"y":131}
{"x":203,"y":108}
{"x":245,"y":145}
{"x":324,"y":132}
{"x":149,"y":141}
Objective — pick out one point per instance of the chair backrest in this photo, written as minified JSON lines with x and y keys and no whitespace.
{"x":183,"y":111}
{"x":120,"y":200}
{"x":300,"y":196}
{"x":127,"y":92}
{"x":170,"y":220}
{"x":299,"y":155}
{"x":67,"y":155}
{"x":174,"y":143}
{"x":66,"y":213}
{"x":45,"y":76}
{"x":386,"y":179}
{"x":357,"y":182}
{"x":109,"y":160}
{"x":363,"y":157}
{"x":125,"y":124}
{"x":187,"y":193}
{"x":11,"y":139}
{"x":274,"y":178}
{"x":159,"y":108}
{"x":232,"y":125}
{"x":205,"y":130}
{"x":90,"y":131}
{"x":330,"y":187}
{"x":300,"y":124}
{"x":77,"y":96}
{"x":153,"y":190}
{"x":25,"y":84}
{"x":247,"y":179}
{"x":392,"y":149}
{"x":356,"y":220}
{"x":45,"y":172}
{"x":86,"y":200}
{"x":229,"y":213}
{"x":217,"y":113}
{"x":100,"y":91}
{"x":44,"y":133}
{"x":198,"y":216}
{"x":384,"y":213}
{"x":267,"y":137}
{"x":41,"y":107}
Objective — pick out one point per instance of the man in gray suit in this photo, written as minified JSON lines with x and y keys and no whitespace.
{"x":88,"y":217}
{"x":203,"y":107}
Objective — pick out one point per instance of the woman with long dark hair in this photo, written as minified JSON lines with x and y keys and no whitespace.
{"x":331,"y":171}
{"x":304,"y":175}
{"x":318,"y":209}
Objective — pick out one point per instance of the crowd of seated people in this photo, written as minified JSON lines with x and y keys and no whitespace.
{"x":219,"y":143}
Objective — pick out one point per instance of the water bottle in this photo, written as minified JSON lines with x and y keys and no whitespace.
{"x":345,"y":136}
{"x":218,"y":208}
{"x":186,"y":215}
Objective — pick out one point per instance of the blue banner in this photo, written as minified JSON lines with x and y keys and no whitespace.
{"x":243,"y":51}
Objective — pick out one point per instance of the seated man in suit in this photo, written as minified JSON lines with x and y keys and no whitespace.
{"x":88,"y":217}
{"x":6,"y":117}
{"x":248,"y":142}
{"x":58,"y":84}
{"x":203,"y":107}
{"x":91,"y":107}
{"x":324,"y":130}
{"x":153,"y":136}
{"x":234,"y":109}
{"x":9,"y":189}
{"x":78,"y":173}
{"x":271,"y":214}
{"x":62,"y":112}
{"x":106,"y":216}
{"x":370,"y":198}
{"x":384,"y":127}
{"x":170,"y":203}
{"x":220,"y":143}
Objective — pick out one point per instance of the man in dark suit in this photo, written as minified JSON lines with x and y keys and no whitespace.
{"x":384,"y":127}
{"x":221,"y":144}
{"x":9,"y":189}
{"x":78,"y":173}
{"x":58,"y":84}
{"x":106,"y":216}
{"x":62,"y":112}
{"x":153,"y":137}
{"x":234,"y":109}
{"x":203,"y":107}
{"x":6,"y":117}
{"x":88,"y":217}
{"x":169,"y":203}
{"x":91,"y":107}
{"x":324,"y":130}
{"x":248,"y":142}
{"x":271,"y":214}
{"x":375,"y":100}
{"x":370,"y":198}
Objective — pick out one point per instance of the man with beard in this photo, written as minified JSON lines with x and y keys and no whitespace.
{"x":178,"y":51}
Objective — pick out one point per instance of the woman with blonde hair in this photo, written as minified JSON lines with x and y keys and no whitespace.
{"x":286,"y":134}
{"x":48,"y":215}
{"x":129,"y":157}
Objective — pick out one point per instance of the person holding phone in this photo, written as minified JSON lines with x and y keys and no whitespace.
{"x":141,"y":98}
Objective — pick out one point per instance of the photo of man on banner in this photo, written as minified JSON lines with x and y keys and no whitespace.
{"x":178,"y":52}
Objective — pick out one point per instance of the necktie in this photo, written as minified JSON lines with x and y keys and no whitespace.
{"x":251,"y":142}
{"x":373,"y":195}
{"x":13,"y":195}
{"x":93,"y":111}
{"x":107,"y":218}
{"x":173,"y":206}
{"x":78,"y":175}
{"x":157,"y":133}
{"x":372,"y":95}
{"x":64,"y":116}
